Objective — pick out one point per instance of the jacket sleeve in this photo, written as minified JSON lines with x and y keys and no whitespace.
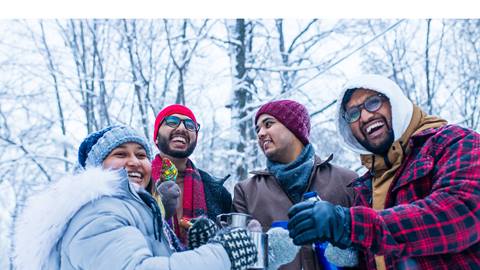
{"x":206,"y":257}
{"x":225,"y":199}
{"x":218,"y":199}
{"x":239,"y":200}
{"x":348,"y":177}
{"x":103,"y":237}
{"x":445,"y":221}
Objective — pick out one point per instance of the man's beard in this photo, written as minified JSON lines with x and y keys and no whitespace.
{"x":382,"y":148}
{"x":163,"y":146}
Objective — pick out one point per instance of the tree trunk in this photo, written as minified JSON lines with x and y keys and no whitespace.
{"x":242,"y":96}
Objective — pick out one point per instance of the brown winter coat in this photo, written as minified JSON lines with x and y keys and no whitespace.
{"x":263,"y":198}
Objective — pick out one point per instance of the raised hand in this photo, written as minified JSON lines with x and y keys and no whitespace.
{"x":319,"y":221}
{"x":200,"y":232}
{"x":239,"y":246}
{"x":169,"y":193}
{"x":163,"y":170}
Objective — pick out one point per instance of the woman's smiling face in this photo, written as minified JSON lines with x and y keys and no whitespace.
{"x":132,"y":157}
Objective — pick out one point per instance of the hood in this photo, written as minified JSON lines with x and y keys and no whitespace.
{"x":46,"y":214}
{"x":402,"y":109}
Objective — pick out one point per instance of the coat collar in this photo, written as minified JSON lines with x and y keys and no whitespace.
{"x":415,"y":140}
{"x":317,"y":163}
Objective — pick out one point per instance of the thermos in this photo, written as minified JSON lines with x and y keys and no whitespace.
{"x":261,"y":242}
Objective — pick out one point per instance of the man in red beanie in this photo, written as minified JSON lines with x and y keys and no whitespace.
{"x":283,"y":128}
{"x":175,"y":134}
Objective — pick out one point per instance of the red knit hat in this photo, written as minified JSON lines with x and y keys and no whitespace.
{"x":169,"y":110}
{"x":291,"y":114}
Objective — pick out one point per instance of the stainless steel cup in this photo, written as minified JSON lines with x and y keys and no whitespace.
{"x":234,"y":220}
{"x":261,"y":242}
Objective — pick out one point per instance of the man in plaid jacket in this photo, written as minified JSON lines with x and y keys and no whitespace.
{"x":418,"y":206}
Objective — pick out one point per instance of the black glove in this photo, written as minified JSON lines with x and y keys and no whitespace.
{"x":319,"y":221}
{"x":239,"y":246}
{"x":201,"y":231}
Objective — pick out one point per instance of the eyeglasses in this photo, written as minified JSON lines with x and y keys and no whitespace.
{"x":174,"y":121}
{"x":371,"y":104}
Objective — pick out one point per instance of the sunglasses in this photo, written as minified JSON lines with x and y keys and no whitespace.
{"x":174,"y":121}
{"x":371,"y":104}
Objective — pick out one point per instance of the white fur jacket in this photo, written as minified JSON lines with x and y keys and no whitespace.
{"x":95,"y":220}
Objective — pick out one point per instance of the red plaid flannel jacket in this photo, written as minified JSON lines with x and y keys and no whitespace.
{"x":431,"y":218}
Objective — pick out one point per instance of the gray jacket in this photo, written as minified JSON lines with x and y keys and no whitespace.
{"x":96,"y":220}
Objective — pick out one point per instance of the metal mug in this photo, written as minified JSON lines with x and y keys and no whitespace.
{"x":234,"y":220}
{"x":260,"y":240}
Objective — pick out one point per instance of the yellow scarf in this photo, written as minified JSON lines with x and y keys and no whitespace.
{"x":384,"y":173}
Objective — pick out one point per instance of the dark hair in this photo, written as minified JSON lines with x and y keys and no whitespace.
{"x":150,"y":188}
{"x":347,"y":96}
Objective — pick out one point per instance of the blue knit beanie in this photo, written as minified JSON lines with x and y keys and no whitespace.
{"x":97,"y":145}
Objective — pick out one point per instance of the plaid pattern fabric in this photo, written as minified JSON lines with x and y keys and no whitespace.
{"x":431,"y":218}
{"x":194,"y":204}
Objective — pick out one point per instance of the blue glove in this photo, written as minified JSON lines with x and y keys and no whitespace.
{"x":319,"y":221}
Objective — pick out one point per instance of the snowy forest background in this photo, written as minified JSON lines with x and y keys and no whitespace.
{"x":61,"y":79}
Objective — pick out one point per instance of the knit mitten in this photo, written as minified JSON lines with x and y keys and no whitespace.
{"x":281,"y":249}
{"x":200,"y":232}
{"x":341,"y":257}
{"x":239,"y":246}
{"x":163,"y":169}
{"x":169,"y":171}
{"x":169,"y":193}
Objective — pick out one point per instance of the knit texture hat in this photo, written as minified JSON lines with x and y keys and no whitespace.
{"x":291,"y":114}
{"x":169,"y":110}
{"x":97,"y":145}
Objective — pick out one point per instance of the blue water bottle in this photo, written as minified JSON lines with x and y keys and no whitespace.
{"x":317,"y":246}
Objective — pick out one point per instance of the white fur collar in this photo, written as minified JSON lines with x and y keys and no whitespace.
{"x":46,"y":214}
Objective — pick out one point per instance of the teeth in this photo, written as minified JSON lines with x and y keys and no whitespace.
{"x":180,"y":139}
{"x":135,"y":174}
{"x":265,"y":144}
{"x":374,"y":125}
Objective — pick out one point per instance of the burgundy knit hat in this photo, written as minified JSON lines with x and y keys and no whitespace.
{"x":169,"y":110}
{"x":291,"y":114}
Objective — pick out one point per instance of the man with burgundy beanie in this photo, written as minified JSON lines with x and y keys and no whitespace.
{"x":283,"y":129}
{"x":175,"y":134}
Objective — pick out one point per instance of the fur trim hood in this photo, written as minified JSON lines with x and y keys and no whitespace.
{"x":45,"y":216}
{"x":402,"y":108}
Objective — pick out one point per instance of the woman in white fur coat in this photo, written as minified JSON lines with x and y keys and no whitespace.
{"x":102,"y":217}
